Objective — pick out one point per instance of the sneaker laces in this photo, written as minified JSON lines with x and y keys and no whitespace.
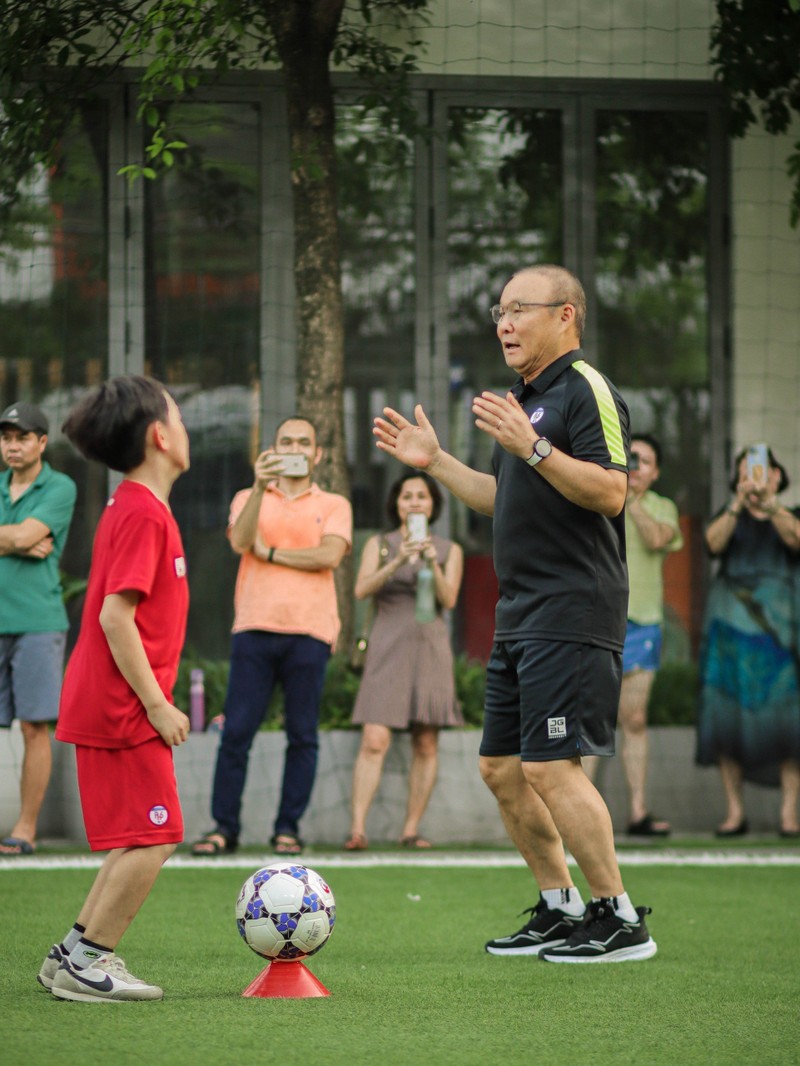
{"x":535,"y":911}
{"x":600,"y":919}
{"x":115,"y":966}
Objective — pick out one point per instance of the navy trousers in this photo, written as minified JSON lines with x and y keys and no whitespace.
{"x":259,"y":661}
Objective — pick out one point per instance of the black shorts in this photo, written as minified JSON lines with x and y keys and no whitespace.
{"x":550,"y":700}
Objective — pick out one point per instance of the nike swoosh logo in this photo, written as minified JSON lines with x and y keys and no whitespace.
{"x":99,"y":986}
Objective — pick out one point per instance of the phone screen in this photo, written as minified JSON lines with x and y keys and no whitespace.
{"x":757,"y":463}
{"x":417,"y":526}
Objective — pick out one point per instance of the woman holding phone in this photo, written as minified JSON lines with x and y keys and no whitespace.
{"x":749,"y":715}
{"x":408,"y":679}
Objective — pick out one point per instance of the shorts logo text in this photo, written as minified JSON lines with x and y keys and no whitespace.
{"x":158,"y":815}
{"x":556,"y":727}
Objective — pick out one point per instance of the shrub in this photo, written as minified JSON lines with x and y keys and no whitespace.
{"x":338,"y":695}
{"x":673,"y":699}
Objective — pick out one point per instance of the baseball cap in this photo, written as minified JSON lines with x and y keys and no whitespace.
{"x":25,"y":416}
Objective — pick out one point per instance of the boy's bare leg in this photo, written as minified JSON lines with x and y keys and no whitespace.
{"x":119,"y":890}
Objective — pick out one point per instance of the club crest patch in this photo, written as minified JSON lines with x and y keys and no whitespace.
{"x":158,"y":815}
{"x":537,"y":414}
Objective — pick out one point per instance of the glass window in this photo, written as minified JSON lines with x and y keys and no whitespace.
{"x":202,"y":284}
{"x":54,"y":306}
{"x":504,"y":210}
{"x":652,"y":314}
{"x":376,"y":219}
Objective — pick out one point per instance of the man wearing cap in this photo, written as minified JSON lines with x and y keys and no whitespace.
{"x":36,"y":505}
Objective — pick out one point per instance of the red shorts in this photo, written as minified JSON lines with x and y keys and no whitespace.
{"x":129,"y":796}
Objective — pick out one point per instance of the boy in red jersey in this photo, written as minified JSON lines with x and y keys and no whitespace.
{"x":116,"y":701}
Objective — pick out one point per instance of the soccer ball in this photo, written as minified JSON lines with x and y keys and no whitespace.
{"x":285,"y":912}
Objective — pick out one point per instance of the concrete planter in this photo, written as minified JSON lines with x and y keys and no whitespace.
{"x":462,"y":811}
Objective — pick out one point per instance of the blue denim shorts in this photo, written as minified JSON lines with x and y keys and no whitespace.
{"x":642,"y":650}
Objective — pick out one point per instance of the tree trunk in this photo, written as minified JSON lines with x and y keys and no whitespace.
{"x":305,"y":32}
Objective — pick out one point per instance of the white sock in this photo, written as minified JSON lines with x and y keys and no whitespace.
{"x":71,"y":939}
{"x":86,"y":953}
{"x":567,"y":900}
{"x":624,"y":908}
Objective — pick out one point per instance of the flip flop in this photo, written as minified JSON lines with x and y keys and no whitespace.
{"x":356,"y":842}
{"x":18,"y":847}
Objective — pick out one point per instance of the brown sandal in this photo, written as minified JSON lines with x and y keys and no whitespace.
{"x":415,"y":842}
{"x":356,"y":842}
{"x":214,"y":843}
{"x":286,"y":844}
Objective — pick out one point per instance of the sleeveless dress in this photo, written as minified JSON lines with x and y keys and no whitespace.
{"x":749,"y":706}
{"x":408,"y":672}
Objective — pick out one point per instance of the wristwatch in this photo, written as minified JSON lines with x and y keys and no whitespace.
{"x":541,"y":449}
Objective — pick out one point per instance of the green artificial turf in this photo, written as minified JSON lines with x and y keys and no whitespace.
{"x":409,"y":980}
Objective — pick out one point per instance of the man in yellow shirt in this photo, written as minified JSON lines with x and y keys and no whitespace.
{"x":651,"y":530}
{"x":291,"y":536}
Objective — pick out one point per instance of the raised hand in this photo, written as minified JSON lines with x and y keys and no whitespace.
{"x":415,"y":445}
{"x":502,"y":418}
{"x":268,"y":466}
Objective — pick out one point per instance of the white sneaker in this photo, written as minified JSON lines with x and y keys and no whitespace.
{"x":47,"y":973}
{"x":105,"y":981}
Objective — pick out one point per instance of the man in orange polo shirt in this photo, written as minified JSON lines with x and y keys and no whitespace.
{"x":291,"y":536}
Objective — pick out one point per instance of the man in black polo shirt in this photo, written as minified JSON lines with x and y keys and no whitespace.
{"x":556,"y":494}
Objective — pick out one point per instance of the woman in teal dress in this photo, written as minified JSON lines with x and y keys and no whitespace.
{"x":749,"y":715}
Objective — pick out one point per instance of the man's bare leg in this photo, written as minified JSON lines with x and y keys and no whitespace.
{"x":37,"y":765}
{"x":527,"y":820}
{"x":579,"y":814}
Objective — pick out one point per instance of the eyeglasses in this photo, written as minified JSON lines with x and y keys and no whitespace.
{"x":515,"y":308}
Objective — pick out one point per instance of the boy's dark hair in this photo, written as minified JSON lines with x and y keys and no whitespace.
{"x":110,"y":423}
{"x":397,"y":488}
{"x":646,"y":438}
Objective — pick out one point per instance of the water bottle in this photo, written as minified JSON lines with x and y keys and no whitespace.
{"x":197,"y":701}
{"x":425,"y":610}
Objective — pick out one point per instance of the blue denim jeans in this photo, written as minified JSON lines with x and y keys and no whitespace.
{"x":259,"y":661}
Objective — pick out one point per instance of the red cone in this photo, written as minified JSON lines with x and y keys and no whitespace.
{"x":286,"y":980}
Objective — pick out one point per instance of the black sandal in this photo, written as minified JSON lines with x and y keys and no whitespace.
{"x":649,"y":827}
{"x":286,"y":844}
{"x":208,"y":846}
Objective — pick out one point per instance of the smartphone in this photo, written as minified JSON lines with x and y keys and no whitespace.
{"x":417,"y":527}
{"x":294,"y":465}
{"x":758,"y":463}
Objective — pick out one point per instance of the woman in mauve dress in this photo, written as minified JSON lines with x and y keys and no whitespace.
{"x":408,"y":681}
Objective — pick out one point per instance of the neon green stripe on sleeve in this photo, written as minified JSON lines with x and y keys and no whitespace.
{"x":609,"y":416}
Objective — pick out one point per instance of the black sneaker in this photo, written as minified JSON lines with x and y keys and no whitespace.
{"x":605,"y":937}
{"x":546,"y":929}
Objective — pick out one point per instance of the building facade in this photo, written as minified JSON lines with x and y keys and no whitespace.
{"x":588,"y":134}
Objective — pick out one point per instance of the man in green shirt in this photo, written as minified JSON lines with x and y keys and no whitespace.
{"x":36,"y":505}
{"x":652,"y":530}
